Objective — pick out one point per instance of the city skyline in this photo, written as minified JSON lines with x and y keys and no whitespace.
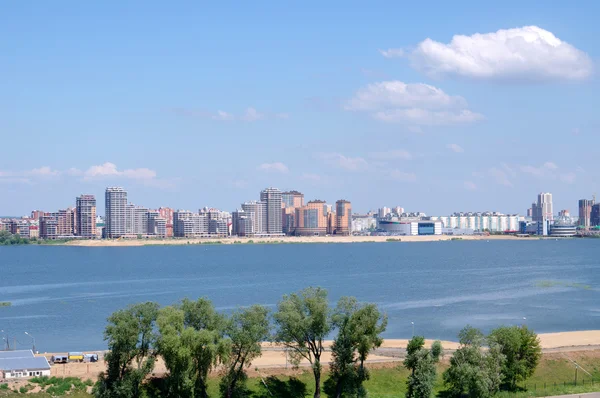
{"x":211,"y":108}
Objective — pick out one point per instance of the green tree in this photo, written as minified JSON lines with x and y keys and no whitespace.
{"x":472,"y":371}
{"x":521,"y":348}
{"x":131,"y":338}
{"x":359,"y":332}
{"x":246,"y":329}
{"x":343,"y":379}
{"x":192,"y":343}
{"x":302,"y":322}
{"x":422,"y":366}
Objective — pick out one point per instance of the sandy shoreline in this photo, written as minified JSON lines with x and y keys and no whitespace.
{"x":285,"y":239}
{"x":274,"y":356}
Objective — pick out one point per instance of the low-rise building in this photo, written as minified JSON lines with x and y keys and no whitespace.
{"x":22,"y":364}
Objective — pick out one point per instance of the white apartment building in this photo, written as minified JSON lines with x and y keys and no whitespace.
{"x":115,"y":200}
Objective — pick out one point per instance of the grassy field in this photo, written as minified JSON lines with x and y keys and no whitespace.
{"x":555,"y":371}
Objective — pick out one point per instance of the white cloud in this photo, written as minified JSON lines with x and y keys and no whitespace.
{"x":470,"y":185}
{"x":21,"y":176}
{"x":109,"y":169}
{"x":223,"y":116}
{"x":396,"y":94}
{"x":343,"y":162}
{"x":527,"y":53}
{"x":455,"y":148}
{"x":414,"y":104}
{"x":392,"y":52}
{"x":427,"y":118}
{"x":252,"y":115}
{"x":392,"y":154}
{"x":402,"y":176}
{"x":276,"y":167}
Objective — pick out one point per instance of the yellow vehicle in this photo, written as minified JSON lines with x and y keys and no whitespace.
{"x":75,"y":357}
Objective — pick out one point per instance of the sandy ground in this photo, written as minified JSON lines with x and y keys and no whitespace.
{"x":285,"y":239}
{"x":274,"y":360}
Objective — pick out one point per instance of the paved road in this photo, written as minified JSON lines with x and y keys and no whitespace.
{"x":589,"y":395}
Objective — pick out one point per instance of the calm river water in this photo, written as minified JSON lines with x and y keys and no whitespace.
{"x":63,"y":295}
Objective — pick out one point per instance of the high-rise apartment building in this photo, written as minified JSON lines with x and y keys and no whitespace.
{"x":86,"y":216}
{"x":272,"y":198}
{"x":115,"y":219}
{"x":595,"y":215}
{"x":136,"y":220}
{"x":585,"y":212}
{"x":312,"y":219}
{"x":189,"y":225}
{"x":343,"y":217}
{"x":542,"y":211}
{"x":258,"y":212}
{"x":242,"y":223}
{"x":292,"y":199}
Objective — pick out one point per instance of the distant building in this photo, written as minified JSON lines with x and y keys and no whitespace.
{"x":363,"y":223}
{"x":242,"y":223}
{"x":311,"y":219}
{"x":595,"y":215}
{"x":343,"y":217}
{"x":136,"y":220}
{"x":189,"y":225}
{"x":384,"y":211}
{"x":585,"y":212}
{"x":258,"y":211}
{"x":563,"y":226}
{"x":167,"y":214}
{"x":48,"y":228}
{"x":410,"y":228}
{"x":481,"y":221}
{"x":273,"y":200}
{"x":292,"y":199}
{"x":116,"y":212}
{"x":542,"y":210}
{"x":86,"y":216}
{"x":157,"y":226}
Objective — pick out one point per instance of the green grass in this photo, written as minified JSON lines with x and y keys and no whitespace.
{"x":388,"y":382}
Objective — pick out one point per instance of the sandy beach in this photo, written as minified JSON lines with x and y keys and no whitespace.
{"x":285,"y":239}
{"x":274,"y":360}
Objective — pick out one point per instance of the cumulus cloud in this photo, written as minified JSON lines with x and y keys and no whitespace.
{"x":344,"y":162}
{"x":109,"y":169}
{"x":455,"y":148}
{"x":413,"y":103}
{"x":545,"y":169}
{"x":392,"y":52}
{"x":527,"y":53}
{"x":276,"y":167}
{"x":392,"y":154}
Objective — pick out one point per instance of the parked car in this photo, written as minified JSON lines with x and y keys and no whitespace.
{"x":90,"y":358}
{"x":59,"y":359}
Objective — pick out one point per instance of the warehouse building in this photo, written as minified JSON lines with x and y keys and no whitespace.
{"x":21,"y":364}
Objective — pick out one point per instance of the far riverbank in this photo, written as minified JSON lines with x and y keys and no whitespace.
{"x":289,"y":240}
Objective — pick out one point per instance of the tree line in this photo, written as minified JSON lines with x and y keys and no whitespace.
{"x":194,"y":339}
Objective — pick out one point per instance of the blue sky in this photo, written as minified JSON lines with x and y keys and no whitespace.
{"x":436,"y":107}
